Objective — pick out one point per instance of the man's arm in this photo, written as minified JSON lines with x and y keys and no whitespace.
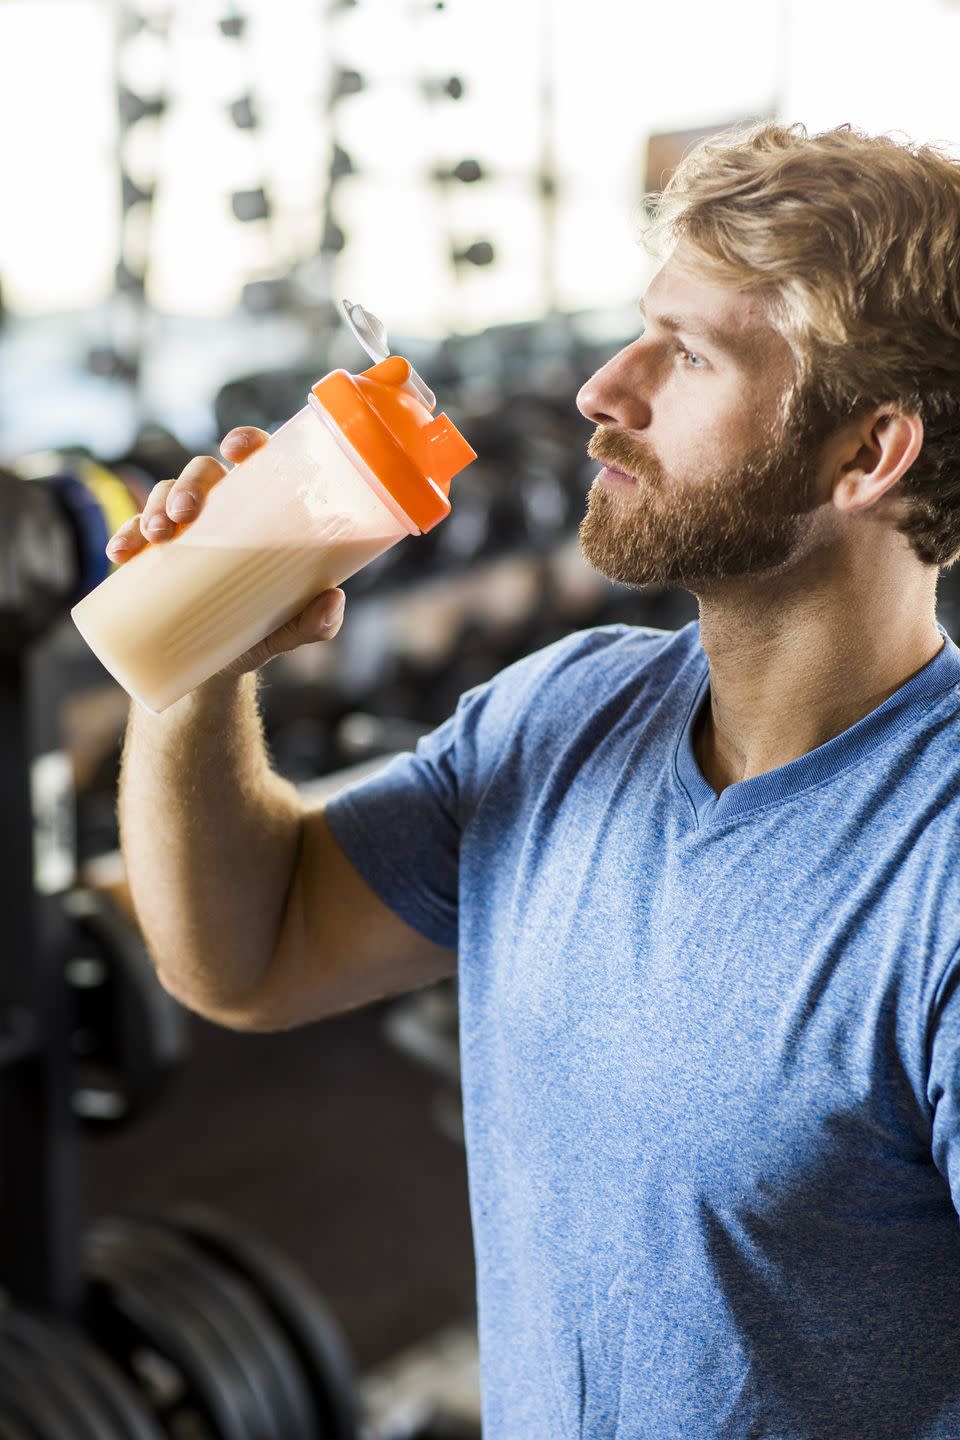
{"x":251,"y":911}
{"x":254,"y":916}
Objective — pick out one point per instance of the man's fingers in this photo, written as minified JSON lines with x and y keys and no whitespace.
{"x":324,"y":616}
{"x":155,"y":524}
{"x":177,"y":502}
{"x":174,"y":502}
{"x":241,"y":442}
{"x":320,"y":620}
{"x":126,"y":541}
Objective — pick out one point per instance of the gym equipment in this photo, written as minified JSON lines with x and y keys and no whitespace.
{"x":147,"y":1293}
{"x":58,"y":512}
{"x":133,"y":108}
{"x":189,"y":1329}
{"x":39,"y":565}
{"x":425,"y":1027}
{"x":480,"y":252}
{"x":39,"y":1216}
{"x":429,"y":1391}
{"x":295,"y":1306}
{"x":30,"y":1403}
{"x":51,"y":1358}
{"x":51,"y":1383}
{"x":250,"y":204}
{"x":241,"y":1339}
{"x":129,"y":1037}
{"x":156,"y":452}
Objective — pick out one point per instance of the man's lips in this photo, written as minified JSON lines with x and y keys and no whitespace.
{"x":610,"y":476}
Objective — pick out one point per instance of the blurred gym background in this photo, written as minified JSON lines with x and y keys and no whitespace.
{"x":188,"y":190}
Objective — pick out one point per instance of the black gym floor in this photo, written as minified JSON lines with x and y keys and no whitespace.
{"x":321,"y":1140}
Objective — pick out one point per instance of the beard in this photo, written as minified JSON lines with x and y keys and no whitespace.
{"x":666,"y":530}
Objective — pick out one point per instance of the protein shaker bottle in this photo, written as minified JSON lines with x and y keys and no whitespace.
{"x":363,"y":464}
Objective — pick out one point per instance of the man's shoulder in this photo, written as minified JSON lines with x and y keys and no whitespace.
{"x":561,"y":689}
{"x":607,"y":654}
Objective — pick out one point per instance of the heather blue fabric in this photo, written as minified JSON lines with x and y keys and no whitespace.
{"x":710,"y":1048}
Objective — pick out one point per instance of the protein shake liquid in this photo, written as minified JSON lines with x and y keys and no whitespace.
{"x":363,"y":464}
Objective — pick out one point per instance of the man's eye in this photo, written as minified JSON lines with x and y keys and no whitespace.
{"x":696,"y":362}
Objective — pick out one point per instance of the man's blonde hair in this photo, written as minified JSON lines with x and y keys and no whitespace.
{"x":854,"y":243}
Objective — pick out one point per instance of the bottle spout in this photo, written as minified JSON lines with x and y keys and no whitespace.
{"x":371,"y":334}
{"x":415,"y":386}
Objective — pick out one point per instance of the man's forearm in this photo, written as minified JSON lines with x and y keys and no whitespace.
{"x":209,"y":834}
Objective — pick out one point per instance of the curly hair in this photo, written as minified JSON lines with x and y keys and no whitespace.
{"x":853,"y":243}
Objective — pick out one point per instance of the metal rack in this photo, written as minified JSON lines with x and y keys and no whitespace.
{"x":40,"y":1202}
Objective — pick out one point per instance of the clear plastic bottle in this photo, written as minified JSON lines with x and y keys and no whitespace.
{"x":363,"y":464}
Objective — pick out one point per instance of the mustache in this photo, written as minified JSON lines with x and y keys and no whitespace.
{"x":611,"y":447}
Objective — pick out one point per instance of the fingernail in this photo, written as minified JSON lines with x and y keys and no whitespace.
{"x":182,"y":504}
{"x":117,"y":547}
{"x":158,"y":525}
{"x":335,"y":613}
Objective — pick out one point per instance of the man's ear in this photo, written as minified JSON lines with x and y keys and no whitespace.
{"x":875,"y":451}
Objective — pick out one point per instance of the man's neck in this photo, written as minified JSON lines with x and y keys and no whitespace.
{"x":782,"y":684}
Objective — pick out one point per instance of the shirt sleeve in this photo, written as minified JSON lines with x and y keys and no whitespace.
{"x":401,"y":828}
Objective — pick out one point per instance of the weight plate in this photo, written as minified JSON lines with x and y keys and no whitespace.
{"x":124,"y":1410}
{"x":31,"y":1401}
{"x":221,"y":1299}
{"x":142,"y":1319}
{"x":10,"y":1429}
{"x":219,"y":1365}
{"x":255,"y":1337}
{"x":42,"y":1353}
{"x":295,"y":1304}
{"x":223,"y":1341}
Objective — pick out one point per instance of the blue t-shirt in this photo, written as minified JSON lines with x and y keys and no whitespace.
{"x":710,"y":1048}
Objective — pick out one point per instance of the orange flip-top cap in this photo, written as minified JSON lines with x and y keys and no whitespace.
{"x":413,"y":453}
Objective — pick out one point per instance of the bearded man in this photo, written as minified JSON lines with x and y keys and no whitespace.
{"x":699,"y":888}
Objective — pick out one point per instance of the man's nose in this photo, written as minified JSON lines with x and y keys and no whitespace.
{"x":615,"y":394}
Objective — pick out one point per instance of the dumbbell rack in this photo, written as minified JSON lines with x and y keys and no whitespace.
{"x":40,"y":1210}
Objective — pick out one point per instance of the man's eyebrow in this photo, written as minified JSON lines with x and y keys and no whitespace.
{"x":695,"y":325}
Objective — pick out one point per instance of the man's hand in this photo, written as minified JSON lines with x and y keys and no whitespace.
{"x":174,"y":503}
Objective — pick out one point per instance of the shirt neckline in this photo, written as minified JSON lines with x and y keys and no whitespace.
{"x":896,"y":713}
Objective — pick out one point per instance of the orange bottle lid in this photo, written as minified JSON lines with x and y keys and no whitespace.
{"x":413,"y":453}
